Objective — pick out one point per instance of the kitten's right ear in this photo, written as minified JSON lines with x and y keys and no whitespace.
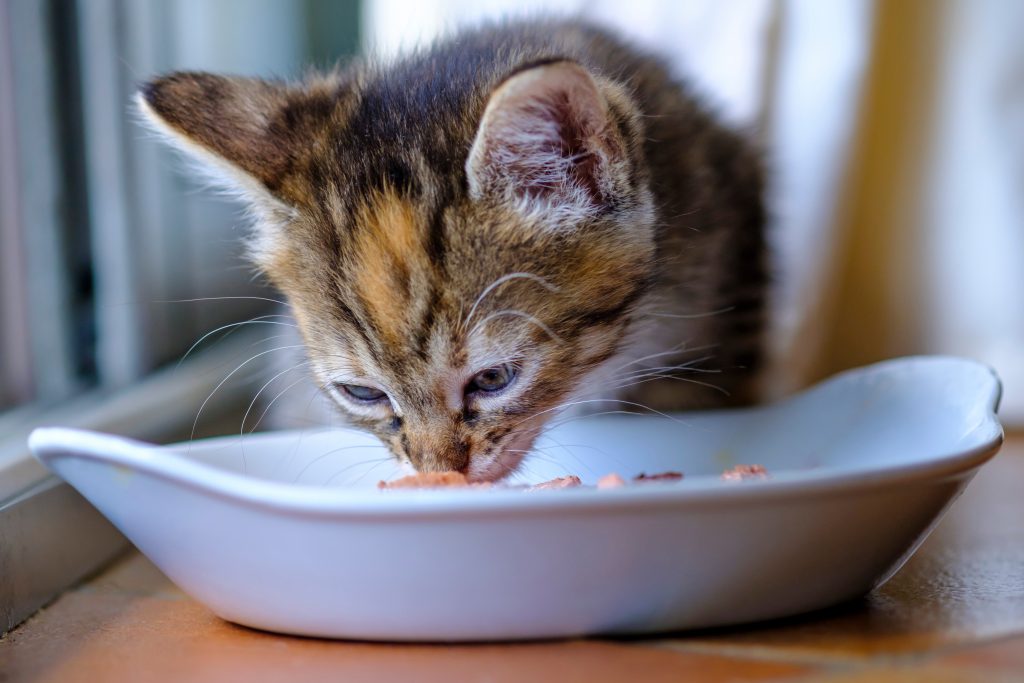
{"x":547,"y":141}
{"x":231,"y":124}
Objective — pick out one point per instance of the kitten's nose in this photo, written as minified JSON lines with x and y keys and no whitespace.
{"x":431,"y":452}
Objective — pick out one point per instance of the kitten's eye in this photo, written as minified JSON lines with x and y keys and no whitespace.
{"x":361,"y":393}
{"x":493,"y":379}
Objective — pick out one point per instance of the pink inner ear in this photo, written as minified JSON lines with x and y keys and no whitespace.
{"x":544,"y":135}
{"x":564,"y":149}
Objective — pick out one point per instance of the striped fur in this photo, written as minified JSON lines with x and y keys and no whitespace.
{"x":535,"y":193}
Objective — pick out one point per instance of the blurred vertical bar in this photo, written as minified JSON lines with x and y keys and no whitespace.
{"x":35,"y":201}
{"x":153,"y":217}
{"x":332,"y":27}
{"x":121,"y":324}
{"x":15,"y":355}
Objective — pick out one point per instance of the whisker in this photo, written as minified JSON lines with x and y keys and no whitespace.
{"x":318,"y":392}
{"x":572,"y":418}
{"x":378,"y":462}
{"x":603,"y":452}
{"x":218,"y":298}
{"x":674,"y":349}
{"x":536,"y":453}
{"x":259,"y":320}
{"x":363,"y":475}
{"x":687,"y":366}
{"x":500,"y":281}
{"x":329,"y":453}
{"x":602,"y":400}
{"x":513,"y":469}
{"x":519,"y":314}
{"x":270,"y":381}
{"x":195,"y":423}
{"x":572,"y":455}
{"x":272,"y":402}
{"x":691,"y":316}
{"x":682,"y":364}
{"x":674,"y":378}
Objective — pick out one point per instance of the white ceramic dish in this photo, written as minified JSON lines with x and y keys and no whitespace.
{"x":862,"y":466}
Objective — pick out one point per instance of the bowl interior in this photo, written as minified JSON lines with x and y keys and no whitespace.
{"x":894,"y":414}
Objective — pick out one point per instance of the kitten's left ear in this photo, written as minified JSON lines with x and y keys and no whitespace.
{"x":244,"y":129}
{"x":546,"y":141}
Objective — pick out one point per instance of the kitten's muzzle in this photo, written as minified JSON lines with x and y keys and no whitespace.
{"x":431,"y":452}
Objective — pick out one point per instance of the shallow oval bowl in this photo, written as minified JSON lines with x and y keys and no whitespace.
{"x":288,"y":532}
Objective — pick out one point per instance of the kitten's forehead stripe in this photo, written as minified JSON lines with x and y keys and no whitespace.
{"x":436,"y":247}
{"x":426,"y":325}
{"x":387,"y":256}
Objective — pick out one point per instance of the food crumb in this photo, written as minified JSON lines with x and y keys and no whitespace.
{"x":610,"y":481}
{"x":568,"y":482}
{"x":740,"y":472}
{"x":661,"y":476}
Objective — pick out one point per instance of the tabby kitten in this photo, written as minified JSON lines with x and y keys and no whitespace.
{"x":521,"y":218}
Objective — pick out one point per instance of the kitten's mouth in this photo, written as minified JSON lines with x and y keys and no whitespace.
{"x":504,"y":460}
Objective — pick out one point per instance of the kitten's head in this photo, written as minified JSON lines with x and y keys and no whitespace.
{"x":459,"y":263}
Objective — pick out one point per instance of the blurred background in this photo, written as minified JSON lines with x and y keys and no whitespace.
{"x":894,"y":134}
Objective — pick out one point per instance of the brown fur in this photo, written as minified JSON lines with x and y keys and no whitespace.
{"x":389,"y":199}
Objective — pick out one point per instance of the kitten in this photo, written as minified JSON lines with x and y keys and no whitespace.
{"x":521,"y":218}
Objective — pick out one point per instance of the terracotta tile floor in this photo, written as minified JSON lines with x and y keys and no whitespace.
{"x":955,"y":612}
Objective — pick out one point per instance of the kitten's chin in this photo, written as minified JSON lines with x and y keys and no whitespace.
{"x":504,"y":462}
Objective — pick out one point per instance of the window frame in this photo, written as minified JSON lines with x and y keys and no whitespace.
{"x":119,"y":238}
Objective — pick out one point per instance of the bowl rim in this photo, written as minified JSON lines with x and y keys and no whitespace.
{"x":53,"y":444}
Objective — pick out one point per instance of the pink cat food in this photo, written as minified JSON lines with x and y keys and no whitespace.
{"x":610,"y":481}
{"x":568,"y":482}
{"x":438,"y":480}
{"x":426,"y":480}
{"x":741,"y":472}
